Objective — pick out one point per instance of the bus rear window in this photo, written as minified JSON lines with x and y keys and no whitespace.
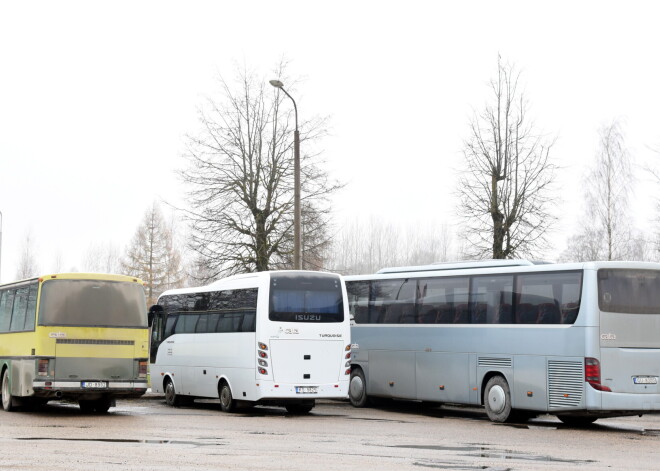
{"x":629,"y":291}
{"x":92,"y":303}
{"x":305,"y":298}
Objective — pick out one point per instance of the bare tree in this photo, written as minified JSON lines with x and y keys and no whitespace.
{"x":58,"y":262}
{"x":27,"y":263}
{"x":504,"y":191}
{"x":608,"y":190}
{"x":152,"y":256}
{"x":102,"y":258}
{"x":607,"y":228}
{"x":240,"y":180}
{"x":654,"y":172}
{"x":366,"y":247}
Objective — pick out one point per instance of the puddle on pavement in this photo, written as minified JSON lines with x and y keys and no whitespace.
{"x":122,"y":440}
{"x":486,"y":452}
{"x":441,"y":448}
{"x":597,"y":427}
{"x":372,"y":419}
{"x":458,"y":467}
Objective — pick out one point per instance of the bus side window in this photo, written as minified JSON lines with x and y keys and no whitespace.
{"x":6,"y":301}
{"x":31,"y":307}
{"x":186,"y":324}
{"x":248,"y":324}
{"x":170,"y":324}
{"x":18,"y":313}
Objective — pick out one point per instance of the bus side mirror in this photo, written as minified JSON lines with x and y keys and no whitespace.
{"x":153,"y":310}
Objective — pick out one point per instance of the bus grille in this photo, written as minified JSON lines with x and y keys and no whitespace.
{"x":95,"y":342}
{"x":495,"y":362}
{"x":565,"y":383}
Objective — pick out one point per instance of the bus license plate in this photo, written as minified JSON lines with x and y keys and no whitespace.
{"x":94,"y":384}
{"x":645,"y":379}
{"x":307,"y":389}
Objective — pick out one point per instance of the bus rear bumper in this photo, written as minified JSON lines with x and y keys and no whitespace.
{"x":83,"y":389}
{"x":632,"y":404}
{"x":271,"y":390}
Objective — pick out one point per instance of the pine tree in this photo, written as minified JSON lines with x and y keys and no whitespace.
{"x":153,"y":256}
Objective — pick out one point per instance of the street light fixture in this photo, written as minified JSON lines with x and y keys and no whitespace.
{"x":297,"y":259}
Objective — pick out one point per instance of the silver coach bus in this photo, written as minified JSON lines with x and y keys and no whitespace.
{"x":581,"y":341}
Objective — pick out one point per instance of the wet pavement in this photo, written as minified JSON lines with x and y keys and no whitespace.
{"x":146,"y":434}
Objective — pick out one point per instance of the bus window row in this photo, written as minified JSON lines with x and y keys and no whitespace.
{"x":539,"y":298}
{"x":480,"y":313}
{"x":210,"y":322}
{"x":18,"y":307}
{"x":210,"y":301}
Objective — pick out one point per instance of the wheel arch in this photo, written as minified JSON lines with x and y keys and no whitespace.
{"x":168,"y":377}
{"x":224,"y":379}
{"x":487,"y":377}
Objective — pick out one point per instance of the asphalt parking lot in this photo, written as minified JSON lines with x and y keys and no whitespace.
{"x":146,"y":434}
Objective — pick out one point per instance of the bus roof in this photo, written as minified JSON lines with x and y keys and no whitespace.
{"x":476,"y":269}
{"x":77,"y":276}
{"x":463,"y":265}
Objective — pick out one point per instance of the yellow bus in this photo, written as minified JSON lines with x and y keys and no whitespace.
{"x":76,"y":336}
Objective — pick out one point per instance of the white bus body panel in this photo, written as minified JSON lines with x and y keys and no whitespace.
{"x":198,"y":362}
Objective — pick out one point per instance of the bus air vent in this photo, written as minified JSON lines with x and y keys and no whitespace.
{"x":495,"y":362}
{"x":565,"y":383}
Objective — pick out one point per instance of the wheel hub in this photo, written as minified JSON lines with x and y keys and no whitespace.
{"x":356,"y":387}
{"x":496,"y":399}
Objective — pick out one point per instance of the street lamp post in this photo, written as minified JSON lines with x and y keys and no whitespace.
{"x":0,"y":245}
{"x":297,"y":259}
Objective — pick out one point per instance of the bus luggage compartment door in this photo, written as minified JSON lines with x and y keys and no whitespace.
{"x":306,"y":361}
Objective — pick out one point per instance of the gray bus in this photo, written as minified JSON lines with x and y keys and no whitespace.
{"x":581,"y":341}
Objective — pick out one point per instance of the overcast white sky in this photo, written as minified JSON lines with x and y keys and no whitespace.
{"x":96,"y":98}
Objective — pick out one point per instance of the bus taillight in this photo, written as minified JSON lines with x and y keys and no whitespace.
{"x":262,"y":354}
{"x":592,"y":374}
{"x":43,"y":367}
{"x":142,"y":369}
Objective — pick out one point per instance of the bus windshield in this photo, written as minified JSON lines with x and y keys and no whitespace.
{"x":306,"y":298}
{"x":629,"y":291}
{"x":92,"y":303}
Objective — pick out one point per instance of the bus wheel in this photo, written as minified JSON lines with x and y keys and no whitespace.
{"x":227,"y":402}
{"x":357,"y":390}
{"x":300,"y":409}
{"x":171,"y":397}
{"x":577,"y":420}
{"x":102,"y":405}
{"x":86,"y":406}
{"x":497,"y":399}
{"x":7,"y":399}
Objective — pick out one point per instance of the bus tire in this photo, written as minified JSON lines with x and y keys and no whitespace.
{"x":103,"y":405}
{"x":357,"y":390}
{"x":171,"y":397}
{"x":577,"y":420}
{"x":86,"y":406}
{"x":8,"y":402}
{"x":497,"y":399}
{"x":301,"y":408}
{"x":227,"y":402}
